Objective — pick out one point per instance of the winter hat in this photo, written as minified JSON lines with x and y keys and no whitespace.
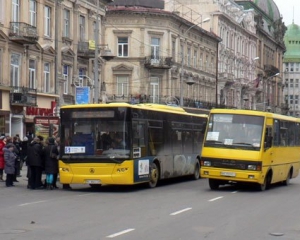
{"x":51,"y":140}
{"x":2,"y":137}
{"x":25,"y":139}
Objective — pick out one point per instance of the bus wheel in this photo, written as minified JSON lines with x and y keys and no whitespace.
{"x":288,"y":178}
{"x":196,"y":174}
{"x":213,"y":184}
{"x":154,"y":175}
{"x":266,"y":184}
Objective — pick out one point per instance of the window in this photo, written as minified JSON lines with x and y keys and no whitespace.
{"x":15,"y":11}
{"x":189,"y":56}
{"x":155,"y":43}
{"x":46,"y":77}
{"x":81,"y":75}
{"x":47,"y":23}
{"x":1,"y":60}
{"x":122,"y":85}
{"x":32,"y":12}
{"x":66,"y":23}
{"x":32,"y":73}
{"x":66,"y":75}
{"x":173,"y":49}
{"x":15,"y":70}
{"x":195,"y":58}
{"x":154,"y":89}
{"x":122,"y":46}
{"x":81,"y":28}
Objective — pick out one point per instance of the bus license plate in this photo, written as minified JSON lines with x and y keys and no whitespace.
{"x":92,"y":181}
{"x":228,"y":174}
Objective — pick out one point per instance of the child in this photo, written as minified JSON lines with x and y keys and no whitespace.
{"x":9,"y":158}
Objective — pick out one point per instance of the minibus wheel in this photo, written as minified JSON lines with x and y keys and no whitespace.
{"x":95,"y":186}
{"x":213,"y":184}
{"x":154,"y":175}
{"x":288,"y":178}
{"x":196,"y":174}
{"x":266,"y":184}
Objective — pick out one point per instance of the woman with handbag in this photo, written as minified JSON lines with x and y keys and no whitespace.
{"x":51,"y":162}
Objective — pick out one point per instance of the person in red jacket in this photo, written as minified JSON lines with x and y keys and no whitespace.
{"x":2,"y":145}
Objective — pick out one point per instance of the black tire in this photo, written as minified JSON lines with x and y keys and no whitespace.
{"x":286,"y":182}
{"x":154,"y":175}
{"x":266,"y":184}
{"x":196,"y":174}
{"x":66,"y":187}
{"x":213,"y":184}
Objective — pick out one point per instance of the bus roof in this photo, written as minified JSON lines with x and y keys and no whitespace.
{"x":144,"y":106}
{"x":254,"y":113}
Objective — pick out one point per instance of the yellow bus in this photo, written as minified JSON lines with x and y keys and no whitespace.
{"x":124,"y":144}
{"x":246,"y":146}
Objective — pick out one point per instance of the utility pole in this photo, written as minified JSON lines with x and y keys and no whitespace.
{"x":96,"y":67}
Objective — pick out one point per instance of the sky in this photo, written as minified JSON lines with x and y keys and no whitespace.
{"x":286,"y":10}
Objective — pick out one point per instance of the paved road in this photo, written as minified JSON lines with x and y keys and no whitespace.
{"x":181,"y":209}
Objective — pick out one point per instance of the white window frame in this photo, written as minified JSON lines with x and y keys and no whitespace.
{"x":67,"y":23}
{"x":66,"y":76}
{"x":82,"y":28}
{"x":154,"y":89}
{"x":32,"y":74}
{"x":32,"y":12}
{"x":123,"y":47}
{"x":195,"y":58}
{"x":15,"y":63}
{"x":47,"y":79}
{"x":122,"y":85}
{"x":155,"y":50}
{"x":81,"y":75}
{"x":15,"y":14}
{"x":47,"y":21}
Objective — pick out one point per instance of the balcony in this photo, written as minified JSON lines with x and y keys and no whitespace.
{"x":158,"y":62}
{"x":85,"y":51}
{"x":22,"y":96}
{"x":270,"y":70}
{"x":23,"y":33}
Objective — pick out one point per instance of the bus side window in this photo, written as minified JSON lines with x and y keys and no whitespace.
{"x":268,"y":138}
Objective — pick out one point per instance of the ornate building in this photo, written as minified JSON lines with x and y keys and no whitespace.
{"x":44,"y":54}
{"x":161,"y":57}
{"x":291,"y":68}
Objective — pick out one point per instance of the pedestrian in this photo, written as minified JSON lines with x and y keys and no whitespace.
{"x":9,"y":158}
{"x":51,"y":162}
{"x":36,"y":164}
{"x":24,"y":146}
{"x":16,"y":142}
{"x":2,"y":145}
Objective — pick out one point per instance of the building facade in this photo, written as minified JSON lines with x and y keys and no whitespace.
{"x":160,"y":58}
{"x":44,"y":54}
{"x":291,"y":68}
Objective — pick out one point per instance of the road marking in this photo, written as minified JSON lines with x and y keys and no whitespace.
{"x":214,"y":199}
{"x":25,"y":204}
{"x":180,"y":211}
{"x":234,"y":192}
{"x":120,"y":233}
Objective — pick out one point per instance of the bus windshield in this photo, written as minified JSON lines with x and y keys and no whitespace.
{"x":102,"y":133}
{"x":234,"y":131}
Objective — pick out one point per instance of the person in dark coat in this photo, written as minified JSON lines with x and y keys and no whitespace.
{"x":36,"y":164}
{"x":51,"y":161}
{"x":2,"y":145}
{"x":9,"y":158}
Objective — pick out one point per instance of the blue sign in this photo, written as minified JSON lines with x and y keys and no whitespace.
{"x":82,"y":95}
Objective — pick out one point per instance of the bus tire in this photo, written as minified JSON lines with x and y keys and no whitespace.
{"x":266,"y":184}
{"x":154,"y":175}
{"x":196,"y":174}
{"x":213,"y":184}
{"x":288,"y":178}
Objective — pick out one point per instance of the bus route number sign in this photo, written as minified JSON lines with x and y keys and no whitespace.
{"x":72,"y":150}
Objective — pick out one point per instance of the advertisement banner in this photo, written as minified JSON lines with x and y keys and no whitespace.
{"x":82,"y":95}
{"x":46,"y":126}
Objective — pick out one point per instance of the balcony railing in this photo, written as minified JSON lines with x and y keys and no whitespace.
{"x":23,"y":33}
{"x":158,"y":62}
{"x":84,"y":50}
{"x":23,"y":96}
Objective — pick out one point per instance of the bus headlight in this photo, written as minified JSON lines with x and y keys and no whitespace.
{"x":252,"y":167}
{"x":207,"y":163}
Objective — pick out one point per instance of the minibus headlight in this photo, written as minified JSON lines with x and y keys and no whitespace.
{"x":252,"y":167}
{"x":207,"y":163}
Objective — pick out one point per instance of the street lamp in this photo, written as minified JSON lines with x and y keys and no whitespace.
{"x":182,"y":61}
{"x":264,"y":94}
